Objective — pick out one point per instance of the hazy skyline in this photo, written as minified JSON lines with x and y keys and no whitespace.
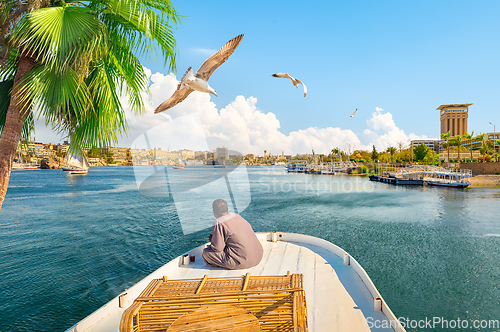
{"x":395,"y":62}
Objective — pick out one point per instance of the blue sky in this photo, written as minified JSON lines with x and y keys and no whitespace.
{"x":405,"y":58}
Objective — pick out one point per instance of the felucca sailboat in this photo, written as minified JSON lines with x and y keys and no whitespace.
{"x":76,"y":163}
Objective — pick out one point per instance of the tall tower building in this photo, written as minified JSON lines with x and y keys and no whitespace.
{"x":454,"y":118}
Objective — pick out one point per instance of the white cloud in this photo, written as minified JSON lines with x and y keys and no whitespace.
{"x":384,"y":131}
{"x":240,"y":126}
{"x":243,"y":127}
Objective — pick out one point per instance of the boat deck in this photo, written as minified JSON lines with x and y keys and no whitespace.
{"x":339,"y":297}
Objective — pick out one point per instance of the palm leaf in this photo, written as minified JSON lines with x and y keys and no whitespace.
{"x":129,"y":73}
{"x":60,"y":35}
{"x":106,"y":119}
{"x":142,"y":27}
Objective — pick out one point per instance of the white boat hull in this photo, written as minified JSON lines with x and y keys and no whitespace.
{"x":339,"y":294}
{"x":448,"y":184}
{"x":75,"y":170}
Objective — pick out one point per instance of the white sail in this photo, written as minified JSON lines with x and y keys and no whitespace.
{"x":181,"y":161}
{"x":77,"y":160}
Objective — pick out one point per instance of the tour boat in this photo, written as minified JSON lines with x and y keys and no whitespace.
{"x":77,"y":164}
{"x":303,"y":283}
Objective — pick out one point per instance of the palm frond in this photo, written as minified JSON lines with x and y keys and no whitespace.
{"x":59,"y":36}
{"x":129,"y":72}
{"x":106,"y":120}
{"x":10,"y":66}
{"x":60,"y":97}
{"x":142,"y":27}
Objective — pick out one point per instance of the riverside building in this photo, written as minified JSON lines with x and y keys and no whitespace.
{"x":454,"y":118}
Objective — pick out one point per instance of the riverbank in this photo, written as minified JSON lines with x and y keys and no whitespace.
{"x":485,"y":181}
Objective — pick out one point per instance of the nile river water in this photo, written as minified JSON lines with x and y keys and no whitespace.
{"x":70,"y":244}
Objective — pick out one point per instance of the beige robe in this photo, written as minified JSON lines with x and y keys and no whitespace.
{"x":234,"y":244}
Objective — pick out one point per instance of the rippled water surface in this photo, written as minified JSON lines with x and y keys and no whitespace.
{"x":70,"y":244}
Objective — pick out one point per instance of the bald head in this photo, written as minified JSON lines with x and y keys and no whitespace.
{"x":220,"y":208}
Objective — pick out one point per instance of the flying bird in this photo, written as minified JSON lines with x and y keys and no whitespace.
{"x":352,"y":115}
{"x":199,"y":82}
{"x":295,"y":81}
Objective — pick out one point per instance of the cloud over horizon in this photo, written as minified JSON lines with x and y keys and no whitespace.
{"x":243,"y":127}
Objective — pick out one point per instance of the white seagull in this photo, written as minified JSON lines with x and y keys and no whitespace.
{"x":199,"y":82}
{"x":352,"y":115}
{"x":295,"y":81}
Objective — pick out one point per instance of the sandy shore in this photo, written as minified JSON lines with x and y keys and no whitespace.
{"x":485,"y":181}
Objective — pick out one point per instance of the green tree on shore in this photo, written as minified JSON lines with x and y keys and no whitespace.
{"x":469,"y":138}
{"x":70,"y":61}
{"x":498,"y":144}
{"x":458,"y":142}
{"x":420,"y":152}
{"x":336,"y":152}
{"x":374,"y":154}
{"x":446,"y":137}
{"x":480,"y":138}
{"x":391,"y":150}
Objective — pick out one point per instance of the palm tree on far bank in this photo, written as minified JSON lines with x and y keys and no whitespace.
{"x":336,"y":151}
{"x":446,"y":137}
{"x":481,"y":138}
{"x":71,"y":61}
{"x":391,"y":150}
{"x":498,"y":144}
{"x":469,"y":138}
{"x":458,"y":142}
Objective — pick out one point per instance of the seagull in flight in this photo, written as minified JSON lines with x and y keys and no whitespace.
{"x":295,"y":81}
{"x":199,"y":82}
{"x":352,"y":115}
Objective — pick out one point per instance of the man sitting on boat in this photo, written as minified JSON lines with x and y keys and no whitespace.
{"x":233,"y":245}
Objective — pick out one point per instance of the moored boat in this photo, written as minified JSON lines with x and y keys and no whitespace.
{"x":450,"y":184}
{"x":20,"y":165}
{"x":325,"y":289}
{"x":17,"y":167}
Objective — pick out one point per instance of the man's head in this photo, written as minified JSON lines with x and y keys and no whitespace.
{"x":220,"y":208}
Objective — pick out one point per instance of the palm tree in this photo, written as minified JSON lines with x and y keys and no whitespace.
{"x":446,"y":137}
{"x":336,"y":151}
{"x":481,"y":138}
{"x":458,"y":142}
{"x":498,"y":143}
{"x":469,"y":138}
{"x":71,"y":61}
{"x":391,"y":150}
